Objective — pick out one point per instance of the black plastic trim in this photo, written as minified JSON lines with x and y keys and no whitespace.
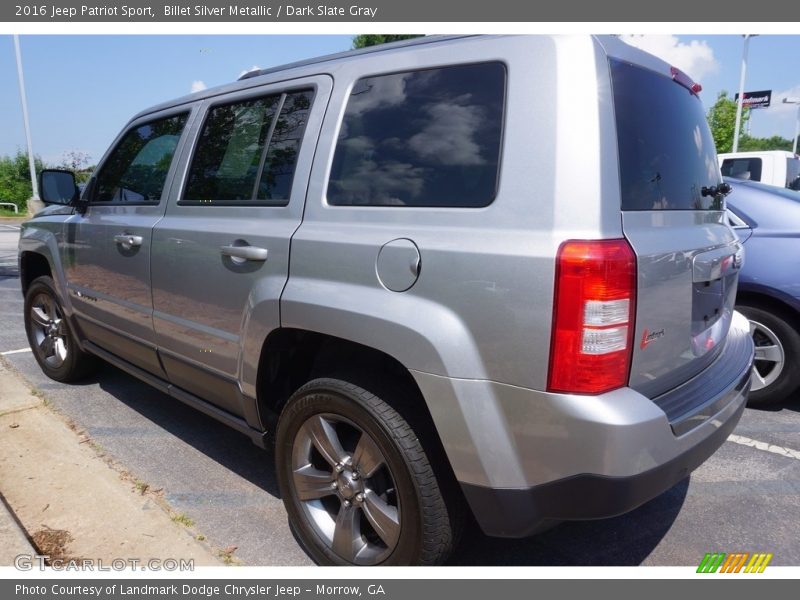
{"x":258,"y":437}
{"x":684,"y":405}
{"x":519,"y":512}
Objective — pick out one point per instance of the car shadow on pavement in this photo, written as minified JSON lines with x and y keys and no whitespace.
{"x":622,"y":541}
{"x":793,"y":405}
{"x":226,"y":446}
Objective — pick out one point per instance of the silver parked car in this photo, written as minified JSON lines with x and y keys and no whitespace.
{"x":480,"y":272}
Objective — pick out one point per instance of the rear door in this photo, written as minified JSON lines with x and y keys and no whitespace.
{"x":673,"y":216}
{"x":221,"y":253}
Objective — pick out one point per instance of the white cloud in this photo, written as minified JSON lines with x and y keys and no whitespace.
{"x":379,"y":92}
{"x":448,"y":137}
{"x":253,"y":68}
{"x":198,"y":86}
{"x":695,"y":58}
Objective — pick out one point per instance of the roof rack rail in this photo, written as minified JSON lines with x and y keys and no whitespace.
{"x":429,"y":39}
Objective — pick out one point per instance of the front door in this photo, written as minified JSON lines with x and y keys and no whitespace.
{"x":106,"y":254}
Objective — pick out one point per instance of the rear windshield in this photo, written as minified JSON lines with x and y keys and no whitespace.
{"x":667,"y":158}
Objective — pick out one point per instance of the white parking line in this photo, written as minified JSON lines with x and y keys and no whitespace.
{"x":12,"y":227}
{"x":20,"y":351}
{"x":745,"y":441}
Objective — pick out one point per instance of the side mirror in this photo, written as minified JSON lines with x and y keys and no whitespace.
{"x":57,"y":187}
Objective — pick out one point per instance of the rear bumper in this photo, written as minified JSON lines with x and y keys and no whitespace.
{"x":519,"y":512}
{"x":525,"y":457}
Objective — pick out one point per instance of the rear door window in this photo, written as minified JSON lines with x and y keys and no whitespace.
{"x":793,"y":174}
{"x":748,"y":169}
{"x":667,"y":158}
{"x":247,"y":151}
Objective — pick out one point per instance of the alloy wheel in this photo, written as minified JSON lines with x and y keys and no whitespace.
{"x":769,"y":356}
{"x":346,"y":489}
{"x":49,"y":330}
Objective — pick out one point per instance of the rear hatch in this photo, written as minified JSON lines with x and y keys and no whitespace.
{"x":672,"y":215}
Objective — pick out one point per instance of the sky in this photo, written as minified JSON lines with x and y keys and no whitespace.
{"x":82,"y":89}
{"x":715,"y":61}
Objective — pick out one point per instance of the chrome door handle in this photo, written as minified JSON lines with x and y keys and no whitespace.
{"x":245,"y":252}
{"x":126,"y":239}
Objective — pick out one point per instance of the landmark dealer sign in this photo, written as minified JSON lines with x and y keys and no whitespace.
{"x":756,"y":99}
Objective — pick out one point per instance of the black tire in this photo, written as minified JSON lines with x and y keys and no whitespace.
{"x":69,"y":364}
{"x":765,"y":325}
{"x":406,"y":482}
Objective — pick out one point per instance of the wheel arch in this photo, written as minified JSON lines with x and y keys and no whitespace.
{"x":291,"y":357}
{"x":32,"y":265}
{"x":38,"y":247}
{"x":758,"y":298}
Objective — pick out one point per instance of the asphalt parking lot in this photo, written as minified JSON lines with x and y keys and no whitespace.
{"x":744,"y":499}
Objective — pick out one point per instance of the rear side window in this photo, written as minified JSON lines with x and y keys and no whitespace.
{"x":247,"y":151}
{"x":421,"y":138}
{"x":666,"y":153}
{"x":793,"y":174}
{"x":742,"y":168}
{"x":136,"y":170}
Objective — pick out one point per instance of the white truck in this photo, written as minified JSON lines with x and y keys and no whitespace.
{"x":773,"y":167}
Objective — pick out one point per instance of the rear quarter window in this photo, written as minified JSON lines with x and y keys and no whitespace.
{"x":428,"y":138}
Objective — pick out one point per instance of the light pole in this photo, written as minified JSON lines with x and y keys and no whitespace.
{"x":741,"y":93}
{"x":797,"y":122}
{"x":24,"y":100}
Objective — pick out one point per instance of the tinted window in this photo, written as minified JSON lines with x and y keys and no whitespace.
{"x":666,"y":152}
{"x":742,"y":168}
{"x":793,"y":174}
{"x":136,"y":170}
{"x":228,"y":155}
{"x":422,"y":138}
{"x":281,"y":159}
{"x":245,"y":155}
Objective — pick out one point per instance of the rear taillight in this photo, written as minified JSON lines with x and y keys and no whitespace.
{"x":593,"y":316}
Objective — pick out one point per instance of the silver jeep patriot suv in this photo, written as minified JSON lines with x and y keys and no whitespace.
{"x":480,"y":273}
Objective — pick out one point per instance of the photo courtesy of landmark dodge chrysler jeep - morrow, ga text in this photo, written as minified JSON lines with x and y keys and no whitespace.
{"x":455,"y":273}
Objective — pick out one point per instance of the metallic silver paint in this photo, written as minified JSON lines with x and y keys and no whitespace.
{"x":504,"y":436}
{"x":474,"y":329}
{"x":674,"y":250}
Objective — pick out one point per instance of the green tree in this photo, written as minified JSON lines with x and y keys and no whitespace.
{"x":722,"y":121}
{"x":77,"y":162}
{"x":15,"y":179}
{"x":362,"y":41}
{"x":776,"y":142}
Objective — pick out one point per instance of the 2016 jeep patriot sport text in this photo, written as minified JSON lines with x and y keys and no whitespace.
{"x":481,"y":272}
